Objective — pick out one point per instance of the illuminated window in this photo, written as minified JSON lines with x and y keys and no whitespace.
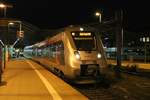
{"x":143,"y":39}
{"x":147,"y":39}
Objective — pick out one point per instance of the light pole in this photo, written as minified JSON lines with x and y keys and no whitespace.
{"x":99,"y":15}
{"x":20,"y":34}
{"x":101,"y":48}
{"x":20,"y":25}
{"x":5,"y":6}
{"x":146,"y":40}
{"x":1,"y":59}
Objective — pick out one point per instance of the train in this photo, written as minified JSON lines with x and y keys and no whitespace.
{"x":75,"y":52}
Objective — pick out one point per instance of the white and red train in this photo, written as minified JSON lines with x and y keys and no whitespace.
{"x":76,"y":52}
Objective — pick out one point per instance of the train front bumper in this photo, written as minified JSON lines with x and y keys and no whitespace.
{"x":87,"y":73}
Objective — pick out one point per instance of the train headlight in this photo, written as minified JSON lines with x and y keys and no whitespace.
{"x":77,"y":55}
{"x":99,"y":55}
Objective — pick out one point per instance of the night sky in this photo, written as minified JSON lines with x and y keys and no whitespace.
{"x":49,"y":14}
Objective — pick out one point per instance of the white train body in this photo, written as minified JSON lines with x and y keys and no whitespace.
{"x":74,"y":53}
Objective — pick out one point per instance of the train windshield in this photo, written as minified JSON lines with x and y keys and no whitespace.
{"x":84,"y":41}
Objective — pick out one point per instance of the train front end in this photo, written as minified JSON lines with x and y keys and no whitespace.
{"x":86,"y":61}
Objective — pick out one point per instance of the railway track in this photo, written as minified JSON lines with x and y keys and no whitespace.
{"x":94,"y":92}
{"x":126,"y":88}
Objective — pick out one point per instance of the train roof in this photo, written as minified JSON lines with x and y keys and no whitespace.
{"x":61,"y":30}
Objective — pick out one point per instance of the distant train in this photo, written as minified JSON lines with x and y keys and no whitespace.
{"x":75,"y":52}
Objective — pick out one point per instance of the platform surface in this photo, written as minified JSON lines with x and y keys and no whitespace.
{"x":26,"y":80}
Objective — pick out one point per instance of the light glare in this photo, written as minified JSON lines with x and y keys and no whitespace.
{"x":99,"y":55}
{"x":77,"y":56}
{"x":2,"y":6}
{"x":81,"y":29}
{"x":147,"y":39}
{"x":97,"y":14}
{"x":73,"y":34}
{"x":11,"y":23}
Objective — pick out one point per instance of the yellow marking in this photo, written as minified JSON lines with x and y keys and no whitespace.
{"x":85,"y":34}
{"x":49,"y":87}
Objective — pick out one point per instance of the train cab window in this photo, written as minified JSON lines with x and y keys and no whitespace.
{"x":84,"y":41}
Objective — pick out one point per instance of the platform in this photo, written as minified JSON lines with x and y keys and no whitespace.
{"x":27,"y":80}
{"x":140,"y":65}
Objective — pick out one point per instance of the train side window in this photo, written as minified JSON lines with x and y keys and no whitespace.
{"x":39,"y":52}
{"x":56,"y":52}
{"x":61,"y":53}
{"x":47,"y":52}
{"x":50,"y":51}
{"x":44,"y":52}
{"x":53,"y":51}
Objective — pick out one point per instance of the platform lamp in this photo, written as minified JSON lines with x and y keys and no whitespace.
{"x":5,"y":6}
{"x":98,"y":14}
{"x":146,"y":41}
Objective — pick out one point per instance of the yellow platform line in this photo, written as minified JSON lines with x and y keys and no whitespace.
{"x":49,"y":87}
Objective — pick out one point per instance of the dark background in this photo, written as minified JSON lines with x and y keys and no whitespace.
{"x":49,"y":14}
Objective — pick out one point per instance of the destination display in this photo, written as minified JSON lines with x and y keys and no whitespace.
{"x":80,"y":34}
